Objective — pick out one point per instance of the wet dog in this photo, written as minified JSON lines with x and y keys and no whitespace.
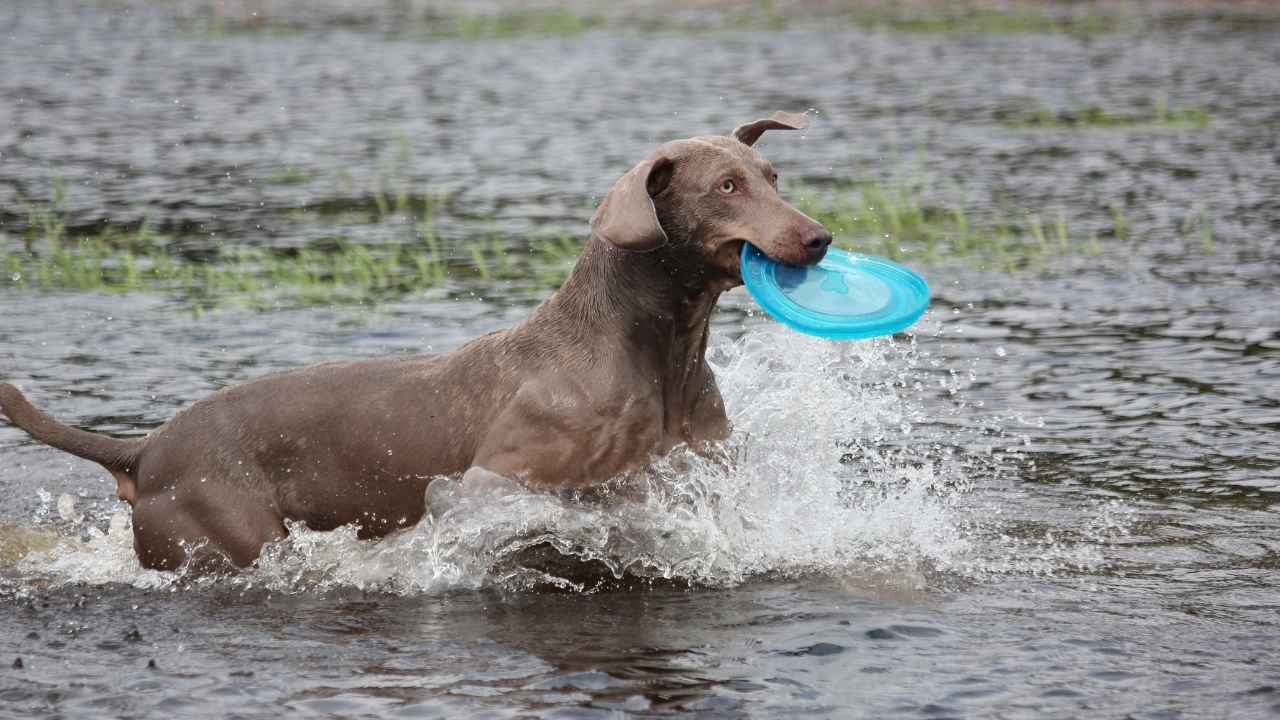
{"x":605,"y":374}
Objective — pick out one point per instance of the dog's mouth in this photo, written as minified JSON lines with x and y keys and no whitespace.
{"x":729,"y":259}
{"x":733,"y":263}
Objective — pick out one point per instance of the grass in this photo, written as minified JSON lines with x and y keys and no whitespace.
{"x":515,"y":23}
{"x":1162,"y":115}
{"x":266,"y":277}
{"x":121,"y":260}
{"x":985,"y":20}
{"x":768,"y":15}
{"x":288,"y":175}
{"x":434,"y":22}
{"x":896,"y":222}
{"x":568,"y":21}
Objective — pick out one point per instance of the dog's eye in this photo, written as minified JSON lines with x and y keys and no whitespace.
{"x":727,"y":187}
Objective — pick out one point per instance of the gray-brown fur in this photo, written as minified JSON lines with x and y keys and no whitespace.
{"x":607,"y":373}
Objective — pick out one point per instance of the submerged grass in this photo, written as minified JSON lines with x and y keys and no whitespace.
{"x":958,"y":18}
{"x":459,"y":21}
{"x":336,"y":270}
{"x":1161,"y":115}
{"x":216,"y":23}
{"x":894,"y":221}
{"x":513,"y":23}
{"x":570,"y":19}
{"x":269,"y":277}
{"x":288,"y":175}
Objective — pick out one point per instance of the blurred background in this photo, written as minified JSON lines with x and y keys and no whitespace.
{"x":194,"y":193}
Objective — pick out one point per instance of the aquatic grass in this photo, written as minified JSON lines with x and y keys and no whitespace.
{"x":897,"y":222}
{"x":519,"y":22}
{"x":47,"y":220}
{"x":984,"y":20}
{"x":215,"y":23}
{"x":1161,"y":116}
{"x":516,"y":21}
{"x":288,"y":175}
{"x":1206,"y":232}
{"x":767,"y":15}
{"x":343,"y":272}
{"x":901,"y":221}
{"x":1119,"y":225}
{"x":1245,"y":18}
{"x":1199,"y":226}
{"x":430,"y":22}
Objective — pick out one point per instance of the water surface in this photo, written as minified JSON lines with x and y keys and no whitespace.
{"x":1056,"y":498}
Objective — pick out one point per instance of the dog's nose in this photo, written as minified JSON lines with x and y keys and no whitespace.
{"x":817,"y":243}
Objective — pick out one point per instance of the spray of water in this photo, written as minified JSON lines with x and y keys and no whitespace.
{"x":845,"y":456}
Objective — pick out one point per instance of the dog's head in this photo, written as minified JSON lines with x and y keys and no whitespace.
{"x":698,"y":200}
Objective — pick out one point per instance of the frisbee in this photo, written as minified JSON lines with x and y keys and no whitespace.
{"x":845,"y":297}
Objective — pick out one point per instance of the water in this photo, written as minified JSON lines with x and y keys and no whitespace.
{"x":1056,"y":498}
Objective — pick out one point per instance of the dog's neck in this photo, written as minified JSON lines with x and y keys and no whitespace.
{"x":645,"y":301}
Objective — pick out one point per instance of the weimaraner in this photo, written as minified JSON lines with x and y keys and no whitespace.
{"x":606,"y":374}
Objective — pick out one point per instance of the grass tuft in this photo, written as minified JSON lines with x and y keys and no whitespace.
{"x":891,"y":221}
{"x":288,"y":175}
{"x":982,"y":20}
{"x":515,"y":23}
{"x":897,"y":223}
{"x":257,"y":276}
{"x":1161,"y":116}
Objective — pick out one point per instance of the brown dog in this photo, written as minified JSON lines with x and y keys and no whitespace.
{"x":606,"y":373}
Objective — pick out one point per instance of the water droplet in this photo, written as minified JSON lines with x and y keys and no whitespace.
{"x":66,"y":507}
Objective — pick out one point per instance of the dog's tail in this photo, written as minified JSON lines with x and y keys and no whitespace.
{"x":114,"y":454}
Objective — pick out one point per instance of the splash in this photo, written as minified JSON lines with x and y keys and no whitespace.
{"x":843,"y":458}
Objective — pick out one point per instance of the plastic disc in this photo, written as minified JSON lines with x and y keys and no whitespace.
{"x":844,"y":297}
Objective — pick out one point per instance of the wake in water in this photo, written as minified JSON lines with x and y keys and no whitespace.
{"x":844,"y":456}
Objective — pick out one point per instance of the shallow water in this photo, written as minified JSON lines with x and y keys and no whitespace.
{"x":1057,"y":498}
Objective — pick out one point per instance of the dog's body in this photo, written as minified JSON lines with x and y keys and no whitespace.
{"x":605,"y":374}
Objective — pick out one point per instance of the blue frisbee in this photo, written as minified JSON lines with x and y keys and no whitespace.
{"x":844,"y":297}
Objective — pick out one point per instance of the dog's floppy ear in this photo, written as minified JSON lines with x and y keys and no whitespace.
{"x":748,"y":133}
{"x":626,"y":217}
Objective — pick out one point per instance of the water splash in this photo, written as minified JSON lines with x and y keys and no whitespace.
{"x":845,"y":456}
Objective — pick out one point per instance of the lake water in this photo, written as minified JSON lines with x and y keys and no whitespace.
{"x":1059,"y":496}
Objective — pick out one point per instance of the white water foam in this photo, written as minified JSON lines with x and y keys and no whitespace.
{"x":842,"y":459}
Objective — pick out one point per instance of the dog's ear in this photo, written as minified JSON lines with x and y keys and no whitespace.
{"x":748,"y":133}
{"x":626,"y":217}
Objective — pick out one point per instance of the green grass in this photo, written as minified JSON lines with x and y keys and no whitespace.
{"x":519,"y":22}
{"x":433,"y":22}
{"x":568,"y":21}
{"x":895,"y":222}
{"x":116,"y":259}
{"x":288,"y":175}
{"x":1002,"y":21}
{"x":516,"y":23}
{"x":217,"y":26}
{"x":1161,"y":115}
{"x":346,"y":274}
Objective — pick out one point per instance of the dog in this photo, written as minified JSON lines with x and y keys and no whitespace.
{"x":607,"y":373}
